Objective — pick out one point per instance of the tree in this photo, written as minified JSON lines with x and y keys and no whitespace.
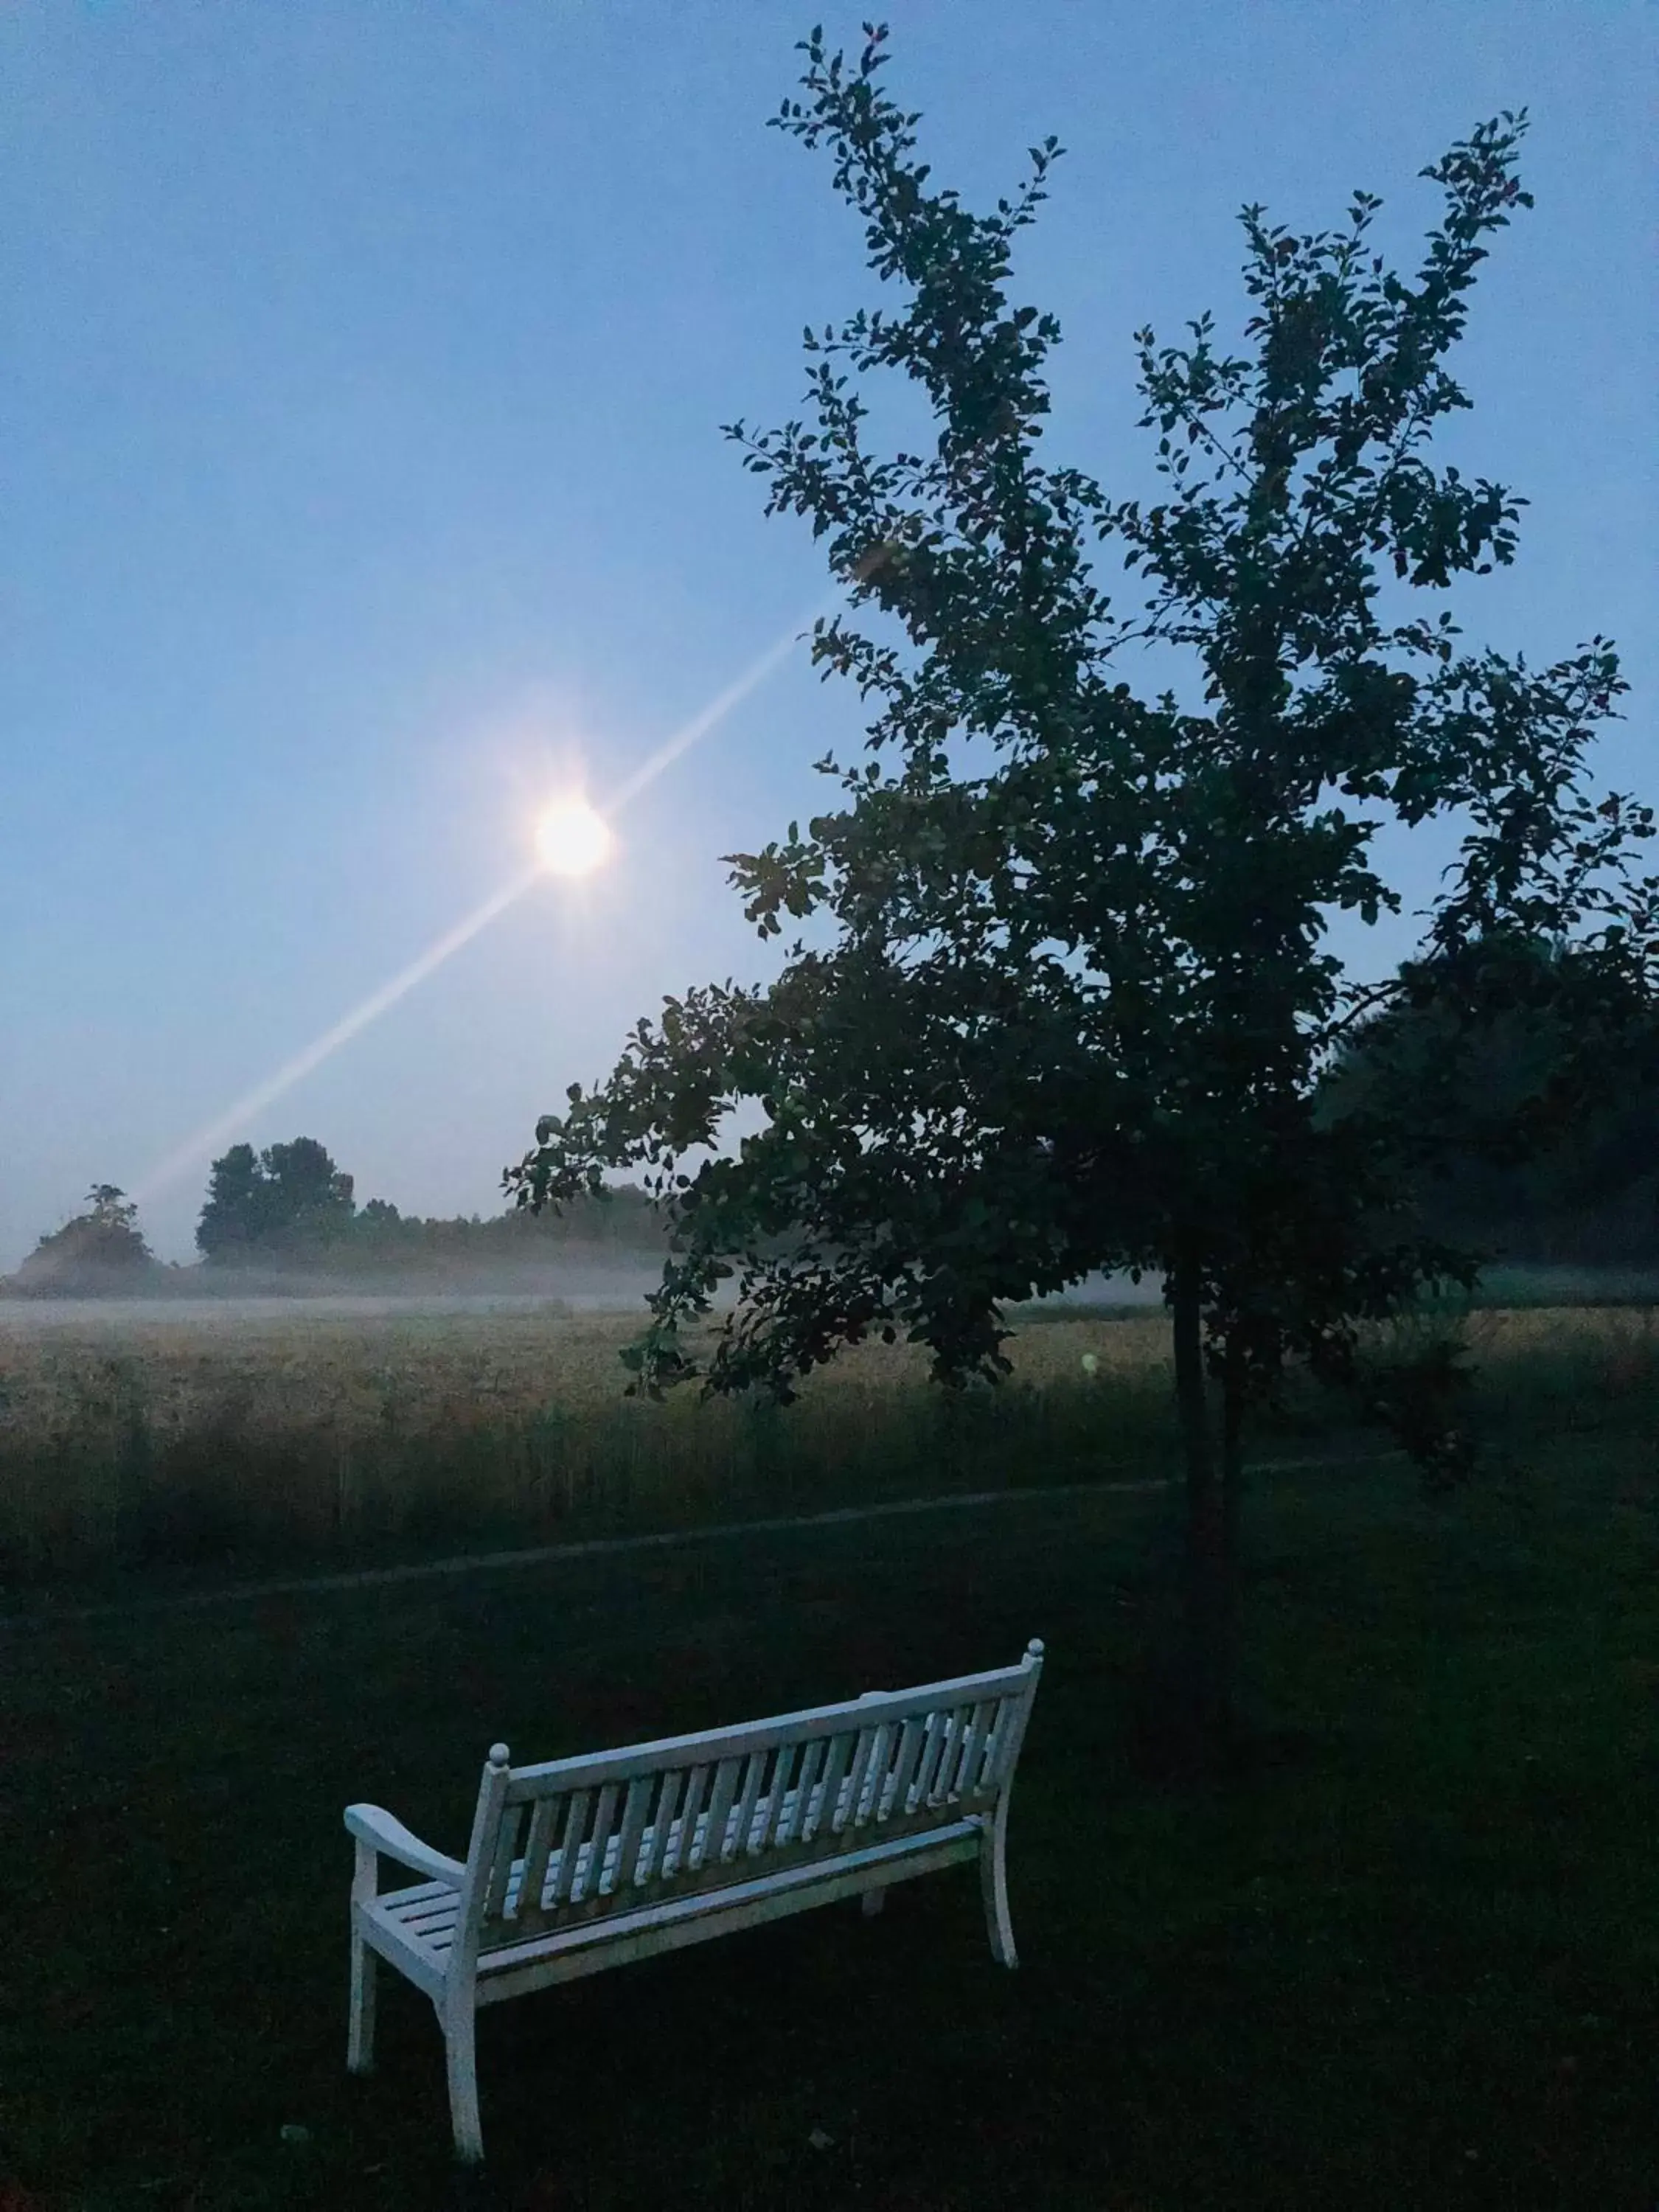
{"x":102,"y":1250}
{"x":286,"y":1197}
{"x":1075,"y":1000}
{"x":1581,"y":1186}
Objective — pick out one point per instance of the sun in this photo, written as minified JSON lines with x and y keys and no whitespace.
{"x":573,"y":838}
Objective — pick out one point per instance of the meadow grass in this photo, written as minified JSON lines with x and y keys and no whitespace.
{"x":1410,"y":1959}
{"x":160,"y":1449}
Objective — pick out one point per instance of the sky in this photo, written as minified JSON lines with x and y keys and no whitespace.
{"x":361,"y":372}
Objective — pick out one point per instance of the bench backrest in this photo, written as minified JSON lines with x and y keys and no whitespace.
{"x":575,"y":1839}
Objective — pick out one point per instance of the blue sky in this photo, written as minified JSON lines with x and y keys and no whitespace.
{"x":360,"y":383}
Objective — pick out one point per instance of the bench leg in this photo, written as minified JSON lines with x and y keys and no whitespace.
{"x":360,"y":2039}
{"x":994,"y":1888}
{"x":461,"y":2065}
{"x":871,"y":1902}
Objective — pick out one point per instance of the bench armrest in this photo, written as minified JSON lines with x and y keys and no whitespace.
{"x":370,"y":1825}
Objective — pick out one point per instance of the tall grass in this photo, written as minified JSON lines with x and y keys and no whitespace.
{"x":162,"y":1447}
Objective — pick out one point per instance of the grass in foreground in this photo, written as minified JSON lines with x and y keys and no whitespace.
{"x":1412,"y":1961}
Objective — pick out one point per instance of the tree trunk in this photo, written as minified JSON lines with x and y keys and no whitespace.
{"x":1203,"y":1718}
{"x":1232,"y":1475}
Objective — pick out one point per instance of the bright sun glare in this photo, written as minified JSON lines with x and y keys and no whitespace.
{"x":573,"y":838}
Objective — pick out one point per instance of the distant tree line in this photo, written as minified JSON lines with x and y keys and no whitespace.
{"x":289,"y":1208}
{"x":1590,"y":1198}
{"x":290,"y":1205}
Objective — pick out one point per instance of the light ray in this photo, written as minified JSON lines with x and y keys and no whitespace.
{"x":700,"y":725}
{"x":205,"y":1139}
{"x":350,"y":1026}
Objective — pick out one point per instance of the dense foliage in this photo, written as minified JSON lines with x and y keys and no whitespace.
{"x":1068,"y":1002}
{"x":100,"y":1251}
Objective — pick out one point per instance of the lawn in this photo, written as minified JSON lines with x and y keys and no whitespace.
{"x":1412,"y":1961}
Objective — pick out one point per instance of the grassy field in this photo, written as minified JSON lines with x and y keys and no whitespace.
{"x":1412,"y":1961}
{"x":160,"y":1448}
{"x":156,"y":1445}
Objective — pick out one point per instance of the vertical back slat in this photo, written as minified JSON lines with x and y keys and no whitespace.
{"x":544,"y":1820}
{"x":938,"y":1733}
{"x":783,"y":1767}
{"x":995,"y":1737}
{"x":501,"y":1864}
{"x":697,"y":1789}
{"x":939,"y":1755}
{"x":952,"y":1755}
{"x":636,"y":1806}
{"x":973,"y":1740}
{"x":912,"y":1737}
{"x":725,"y":1783}
{"x":861,"y":1758}
{"x":1007,"y":1742}
{"x":878,"y":1771}
{"x":811,"y":1765}
{"x":575,"y":1823}
{"x":655,"y":1847}
{"x":835,"y":1773}
{"x":745,"y":1820}
{"x":591,"y":1874}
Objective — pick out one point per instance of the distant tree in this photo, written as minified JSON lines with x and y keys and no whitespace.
{"x":1070,"y":1001}
{"x":102,"y":1250}
{"x":288,"y":1198}
{"x":311,"y":1199}
{"x":232,"y":1220}
{"x":1523,"y":1140}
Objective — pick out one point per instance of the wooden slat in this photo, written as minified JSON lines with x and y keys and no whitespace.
{"x":881,"y":1768}
{"x":588,"y":1877}
{"x":835,"y":1773}
{"x":811,"y":1765}
{"x":972,"y":1742}
{"x":697,"y":1789}
{"x":912,"y":1742}
{"x":945,"y":1774}
{"x":1007,"y":1732}
{"x":725,"y":1783}
{"x":916,"y":1796}
{"x":574,"y":1827}
{"x":501,"y":1864}
{"x":779,"y":1805}
{"x":745,"y":1820}
{"x":656,"y":1845}
{"x":544,"y":1822}
{"x":637,"y":1807}
{"x":861,"y":1758}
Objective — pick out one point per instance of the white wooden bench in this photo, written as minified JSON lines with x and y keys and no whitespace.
{"x":582,"y":1863}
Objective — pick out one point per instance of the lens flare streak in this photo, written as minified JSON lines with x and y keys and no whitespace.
{"x":188,"y":1154}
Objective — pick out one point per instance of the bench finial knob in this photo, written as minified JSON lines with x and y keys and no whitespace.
{"x":499,"y":1754}
{"x":1034,"y":1649}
